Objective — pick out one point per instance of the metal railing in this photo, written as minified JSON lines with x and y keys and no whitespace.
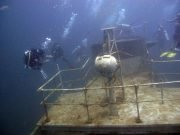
{"x":50,"y":87}
{"x":60,"y":88}
{"x":86,"y":104}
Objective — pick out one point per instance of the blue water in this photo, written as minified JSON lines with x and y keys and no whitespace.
{"x":26,"y":23}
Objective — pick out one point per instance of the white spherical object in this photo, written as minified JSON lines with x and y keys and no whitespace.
{"x":106,"y":65}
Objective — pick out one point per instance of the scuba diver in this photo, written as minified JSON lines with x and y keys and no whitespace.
{"x":161,"y":37}
{"x":34,"y":59}
{"x":46,"y":46}
{"x":58,"y":53}
{"x":54,"y":51}
{"x":176,"y":36}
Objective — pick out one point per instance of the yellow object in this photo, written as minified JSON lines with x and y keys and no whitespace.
{"x":169,"y":54}
{"x":164,"y":54}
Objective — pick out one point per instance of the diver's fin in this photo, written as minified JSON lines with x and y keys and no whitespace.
{"x":171,"y":55}
{"x":168,"y":54}
{"x":164,"y":54}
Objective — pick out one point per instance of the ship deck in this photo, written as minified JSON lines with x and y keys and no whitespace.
{"x":156,"y":109}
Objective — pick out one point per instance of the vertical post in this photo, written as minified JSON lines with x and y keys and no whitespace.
{"x":113,"y":41}
{"x":105,"y":44}
{"x":150,"y":62}
{"x":86,"y":105}
{"x":106,"y":90}
{"x":45,"y":109}
{"x":60,"y":78}
{"x":122,"y":80}
{"x":162,"y":94}
{"x":138,"y":120}
{"x":152,"y":74}
{"x":120,"y":66}
{"x":109,"y":42}
{"x":112,"y":99}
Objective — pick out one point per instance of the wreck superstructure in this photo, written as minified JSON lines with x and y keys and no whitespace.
{"x":137,"y":99}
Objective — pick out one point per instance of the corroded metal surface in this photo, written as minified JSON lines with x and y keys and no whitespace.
{"x":70,"y":111}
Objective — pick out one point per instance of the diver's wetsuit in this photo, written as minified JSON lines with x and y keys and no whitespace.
{"x":34,"y":59}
